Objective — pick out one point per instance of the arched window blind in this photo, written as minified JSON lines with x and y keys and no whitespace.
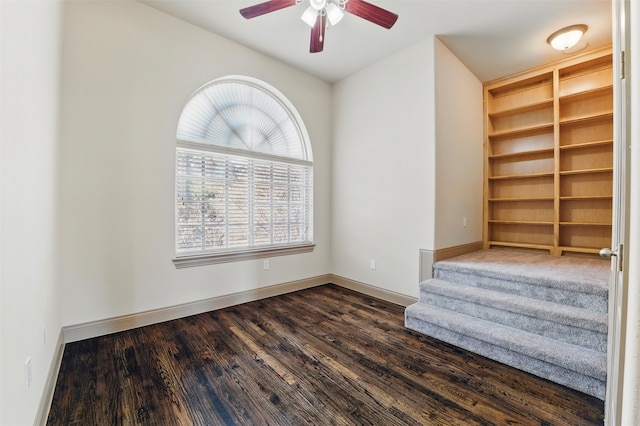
{"x":244,"y":176}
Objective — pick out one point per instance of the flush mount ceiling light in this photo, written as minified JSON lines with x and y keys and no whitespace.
{"x":567,"y":38}
{"x":320,"y":14}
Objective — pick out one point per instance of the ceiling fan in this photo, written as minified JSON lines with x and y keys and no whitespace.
{"x":319,"y":11}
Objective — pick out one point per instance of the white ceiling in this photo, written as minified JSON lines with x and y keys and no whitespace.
{"x":493,"y":38}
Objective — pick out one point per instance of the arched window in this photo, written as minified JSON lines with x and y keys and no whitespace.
{"x":244,"y":175}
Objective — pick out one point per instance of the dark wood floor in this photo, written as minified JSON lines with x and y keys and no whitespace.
{"x":321,"y":356}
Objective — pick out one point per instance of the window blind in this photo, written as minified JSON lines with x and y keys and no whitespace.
{"x":226,"y":202}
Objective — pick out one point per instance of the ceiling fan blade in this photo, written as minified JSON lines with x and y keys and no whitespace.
{"x":371,"y":13}
{"x":317,"y":34}
{"x":266,"y":7}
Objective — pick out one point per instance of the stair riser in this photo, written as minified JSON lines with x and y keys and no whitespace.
{"x":546,"y":327}
{"x":593,"y":302}
{"x":580,"y":382}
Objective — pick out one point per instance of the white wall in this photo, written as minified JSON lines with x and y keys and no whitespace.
{"x":128,"y":71}
{"x":29,"y":96}
{"x":407,"y":164}
{"x":383,"y":160}
{"x":459,"y":153}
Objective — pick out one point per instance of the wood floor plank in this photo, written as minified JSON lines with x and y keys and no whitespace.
{"x":325,"y":355}
{"x":492,"y":378}
{"x":370,"y":371}
{"x":295,"y":360}
{"x":272,"y":394}
{"x":446,"y":380}
{"x":390,"y":363}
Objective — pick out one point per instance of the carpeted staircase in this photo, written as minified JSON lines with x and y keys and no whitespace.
{"x":543,"y":314}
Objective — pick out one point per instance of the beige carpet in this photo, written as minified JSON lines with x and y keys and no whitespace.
{"x":569,"y":269}
{"x":543,"y":314}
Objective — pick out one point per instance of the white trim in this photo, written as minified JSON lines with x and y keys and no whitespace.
{"x":618,"y":282}
{"x":380,"y":293}
{"x":188,"y":261}
{"x":425,"y":262}
{"x":50,"y":383}
{"x":242,"y":153}
{"x":429,"y":257}
{"x":91,"y":329}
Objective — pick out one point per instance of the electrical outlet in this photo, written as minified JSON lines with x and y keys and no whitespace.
{"x":27,"y":373}
{"x":372,"y":264}
{"x":266,"y":265}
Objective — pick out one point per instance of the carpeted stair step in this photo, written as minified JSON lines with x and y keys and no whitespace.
{"x":570,"y":365}
{"x":565,"y":323}
{"x":578,"y":294}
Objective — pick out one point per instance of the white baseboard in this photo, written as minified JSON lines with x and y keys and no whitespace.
{"x":50,"y":382}
{"x":127,"y":322}
{"x":447,"y":252}
{"x":389,"y":296}
{"x":92,"y":329}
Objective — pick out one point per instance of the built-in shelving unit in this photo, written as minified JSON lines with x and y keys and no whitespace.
{"x":549,"y":157}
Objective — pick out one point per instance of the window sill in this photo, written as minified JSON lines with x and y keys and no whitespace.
{"x":189,"y":261}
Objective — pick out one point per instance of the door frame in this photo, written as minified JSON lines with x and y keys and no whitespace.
{"x":618,"y":284}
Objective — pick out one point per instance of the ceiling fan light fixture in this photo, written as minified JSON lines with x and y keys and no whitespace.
{"x":321,"y":14}
{"x":310,"y":16}
{"x":567,"y":37}
{"x":318,"y":4}
{"x":334,"y":13}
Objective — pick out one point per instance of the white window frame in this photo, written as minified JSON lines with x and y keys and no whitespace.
{"x":209,"y":150}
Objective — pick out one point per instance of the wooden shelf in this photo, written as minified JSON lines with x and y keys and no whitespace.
{"x":521,"y":245}
{"x":586,"y":94}
{"x":520,"y":222}
{"x":545,"y":103}
{"x":522,"y":130}
{"x":586,"y":171}
{"x":586,"y":197}
{"x":586,"y":145}
{"x":523,"y":153}
{"x":601,"y":116}
{"x":580,"y":249}
{"x":549,"y":157}
{"x":522,"y":176}
{"x":507,"y":200}
{"x":584,"y":224}
{"x":589,"y":184}
{"x":585,"y":77}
